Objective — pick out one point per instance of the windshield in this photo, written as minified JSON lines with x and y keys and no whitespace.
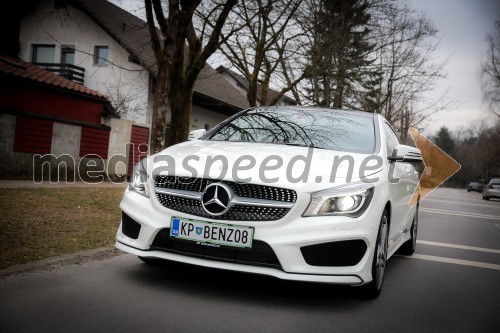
{"x":319,"y":128}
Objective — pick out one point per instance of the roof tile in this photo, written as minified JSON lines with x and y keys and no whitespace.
{"x":22,"y":69}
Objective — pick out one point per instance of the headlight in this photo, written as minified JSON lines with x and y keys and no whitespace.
{"x":139,"y":180}
{"x":348,"y":200}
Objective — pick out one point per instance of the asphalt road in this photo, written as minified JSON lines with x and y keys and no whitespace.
{"x":452,"y":284}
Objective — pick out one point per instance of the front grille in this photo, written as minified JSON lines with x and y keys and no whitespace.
{"x":181,"y":183}
{"x":342,"y":253}
{"x":237,"y":212}
{"x":240,"y":189}
{"x":261,"y":254}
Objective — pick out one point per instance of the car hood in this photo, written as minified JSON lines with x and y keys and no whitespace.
{"x":301,"y":165}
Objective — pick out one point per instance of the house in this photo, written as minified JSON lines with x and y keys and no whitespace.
{"x":46,"y":114}
{"x":241,"y":83}
{"x":107,"y":50}
{"x":113,"y":48}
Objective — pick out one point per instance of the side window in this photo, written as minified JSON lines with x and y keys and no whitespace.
{"x":391,"y":138}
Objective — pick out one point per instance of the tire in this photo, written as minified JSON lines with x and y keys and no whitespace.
{"x":485,"y":197}
{"x":373,"y":289}
{"x":408,"y":248}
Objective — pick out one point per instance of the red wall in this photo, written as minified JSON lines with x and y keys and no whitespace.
{"x":60,"y":105}
{"x":138,"y":148}
{"x":33,"y":135}
{"x":94,"y":142}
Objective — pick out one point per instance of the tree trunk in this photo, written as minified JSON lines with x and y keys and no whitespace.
{"x":181,"y":98}
{"x":159,"y":117}
{"x":338,"y":97}
{"x":265,"y":83}
{"x":326,"y":92}
{"x":252,"y":92}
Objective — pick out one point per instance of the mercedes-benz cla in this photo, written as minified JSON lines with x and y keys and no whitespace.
{"x":306,"y":194}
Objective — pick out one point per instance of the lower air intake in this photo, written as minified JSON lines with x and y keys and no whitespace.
{"x":130,"y":228}
{"x":342,"y":253}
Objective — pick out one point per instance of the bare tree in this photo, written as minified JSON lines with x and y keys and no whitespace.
{"x":406,"y":45}
{"x":479,"y":153}
{"x":490,"y":71}
{"x":373,"y":55}
{"x":266,"y":47}
{"x":181,"y":53}
{"x":126,"y":95}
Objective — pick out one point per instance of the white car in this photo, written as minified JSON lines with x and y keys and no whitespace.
{"x":492,"y":189}
{"x":305,"y":194}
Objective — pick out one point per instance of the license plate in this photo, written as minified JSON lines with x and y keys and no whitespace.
{"x":211,"y":234}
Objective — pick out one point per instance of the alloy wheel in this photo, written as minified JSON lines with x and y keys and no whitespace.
{"x":381,"y":253}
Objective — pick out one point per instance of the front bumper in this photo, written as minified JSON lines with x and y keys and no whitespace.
{"x":285,"y":237}
{"x":337,"y":279}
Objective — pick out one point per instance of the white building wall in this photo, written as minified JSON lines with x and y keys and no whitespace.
{"x":200,"y":117}
{"x":125,"y":83}
{"x":66,"y":140}
{"x":119,"y":138}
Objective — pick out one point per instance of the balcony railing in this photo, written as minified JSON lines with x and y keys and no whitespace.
{"x":70,"y":72}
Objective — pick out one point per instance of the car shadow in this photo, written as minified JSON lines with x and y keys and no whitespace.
{"x":223,"y":285}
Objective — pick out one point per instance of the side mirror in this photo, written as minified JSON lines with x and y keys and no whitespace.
{"x":196,"y":134}
{"x":403,"y":153}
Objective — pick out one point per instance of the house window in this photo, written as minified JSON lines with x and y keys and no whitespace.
{"x":43,"y":53}
{"x":68,"y":54}
{"x":101,"y":55}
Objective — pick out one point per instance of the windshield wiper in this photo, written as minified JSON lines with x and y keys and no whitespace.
{"x":302,"y":145}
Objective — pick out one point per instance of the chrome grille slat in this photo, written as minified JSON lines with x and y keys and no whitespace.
{"x":179,"y":193}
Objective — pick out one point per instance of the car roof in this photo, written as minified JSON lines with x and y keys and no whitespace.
{"x":312,"y":108}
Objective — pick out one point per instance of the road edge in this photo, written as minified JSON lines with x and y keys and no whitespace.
{"x":58,"y":262}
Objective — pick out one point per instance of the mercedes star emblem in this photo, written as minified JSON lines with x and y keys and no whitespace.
{"x":217,"y":198}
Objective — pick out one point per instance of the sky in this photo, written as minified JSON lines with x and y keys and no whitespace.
{"x":463,"y":26}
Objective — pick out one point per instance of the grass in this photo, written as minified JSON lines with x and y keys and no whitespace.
{"x":45,"y":222}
